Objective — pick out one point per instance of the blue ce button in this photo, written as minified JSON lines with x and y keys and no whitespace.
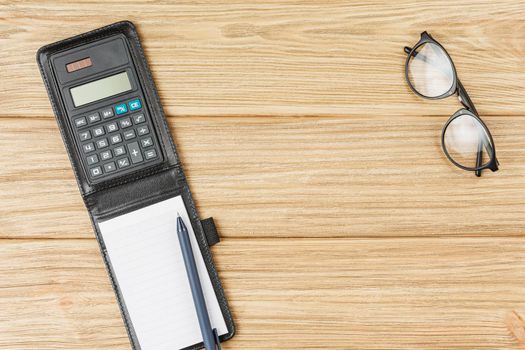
{"x":134,"y":105}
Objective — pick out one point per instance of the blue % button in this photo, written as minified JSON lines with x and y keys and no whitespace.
{"x":121,"y":109}
{"x":134,"y":105}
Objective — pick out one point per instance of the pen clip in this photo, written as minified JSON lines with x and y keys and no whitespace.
{"x":217,"y":341}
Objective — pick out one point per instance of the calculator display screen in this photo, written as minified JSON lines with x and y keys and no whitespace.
{"x":99,"y":89}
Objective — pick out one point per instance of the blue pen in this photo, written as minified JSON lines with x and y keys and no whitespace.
{"x":209,"y":335}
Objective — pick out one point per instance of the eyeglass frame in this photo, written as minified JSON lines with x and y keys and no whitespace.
{"x":463,"y":97}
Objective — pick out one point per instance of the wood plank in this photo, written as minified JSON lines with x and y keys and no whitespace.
{"x":283,"y":57}
{"x":287,"y":176}
{"x":460,"y":293}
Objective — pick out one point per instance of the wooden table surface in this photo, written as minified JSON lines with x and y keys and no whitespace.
{"x":343,"y":224}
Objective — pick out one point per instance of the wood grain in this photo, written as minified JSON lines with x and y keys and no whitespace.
{"x":298,"y":293}
{"x":343,"y":225}
{"x":330,"y":177}
{"x":284,"y":58}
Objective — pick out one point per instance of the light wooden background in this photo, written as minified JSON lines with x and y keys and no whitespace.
{"x":343,"y":225}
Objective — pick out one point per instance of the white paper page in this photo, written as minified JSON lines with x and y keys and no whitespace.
{"x":145,"y":253}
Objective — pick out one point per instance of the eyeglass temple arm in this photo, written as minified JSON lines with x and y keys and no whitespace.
{"x":465,"y":100}
{"x":479,"y":158}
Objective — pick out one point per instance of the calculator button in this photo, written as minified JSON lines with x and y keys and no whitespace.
{"x":128,"y":135}
{"x":92,"y":159}
{"x":147,"y":142}
{"x":115,"y":139}
{"x":121,"y":109}
{"x":85,"y":135}
{"x":88,"y":147}
{"x":102,"y":143}
{"x":106,"y":155}
{"x":98,"y":131}
{"x":125,"y":123}
{"x":139,"y":118}
{"x":123,"y":162}
{"x":107,"y":113}
{"x":112,"y":127}
{"x":143,"y":130}
{"x":119,"y":151}
{"x":96,"y":171}
{"x":150,"y":154}
{"x":109,"y":167}
{"x":80,"y":122}
{"x":93,"y":117}
{"x":134,"y":105}
{"x":135,"y":153}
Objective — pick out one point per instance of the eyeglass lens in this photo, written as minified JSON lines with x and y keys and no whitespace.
{"x":430,"y":71}
{"x":464,"y":137}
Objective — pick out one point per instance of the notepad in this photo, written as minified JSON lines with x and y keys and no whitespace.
{"x":146,"y":257}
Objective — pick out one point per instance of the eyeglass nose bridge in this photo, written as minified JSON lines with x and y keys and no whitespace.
{"x":464,"y":98}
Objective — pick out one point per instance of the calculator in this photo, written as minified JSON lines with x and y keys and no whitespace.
{"x":106,"y":109}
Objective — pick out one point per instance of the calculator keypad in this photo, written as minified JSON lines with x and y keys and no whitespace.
{"x":116,"y":138}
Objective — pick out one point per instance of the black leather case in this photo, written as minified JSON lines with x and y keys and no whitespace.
{"x":138,"y":189}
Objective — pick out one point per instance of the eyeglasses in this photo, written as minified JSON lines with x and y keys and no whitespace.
{"x":465,"y":139}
